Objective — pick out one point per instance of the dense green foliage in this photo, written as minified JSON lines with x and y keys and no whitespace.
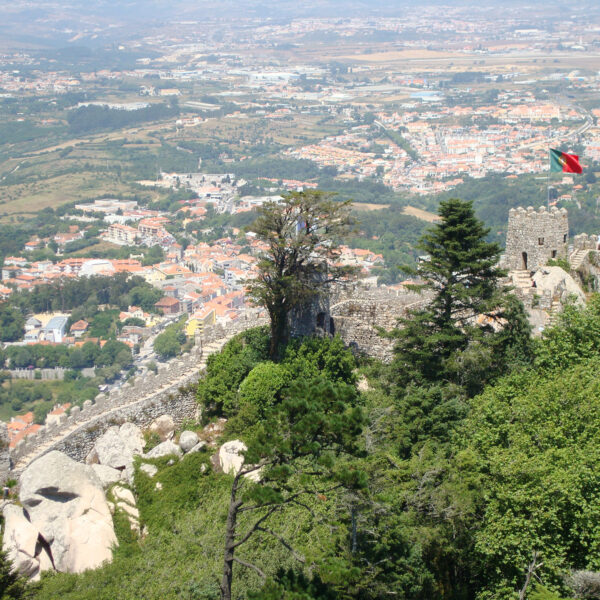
{"x":93,"y":117}
{"x":172,"y":341}
{"x":12,"y":323}
{"x":240,"y":377}
{"x":12,"y":586}
{"x":453,"y":476}
{"x":457,"y":331}
{"x":48,"y":356}
{"x":120,"y":290}
{"x":20,"y":395}
{"x":537,"y":443}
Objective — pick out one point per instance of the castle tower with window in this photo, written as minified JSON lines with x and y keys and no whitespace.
{"x":535,"y":236}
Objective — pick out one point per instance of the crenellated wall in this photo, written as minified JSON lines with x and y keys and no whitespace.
{"x":356,"y":316}
{"x":152,"y":395}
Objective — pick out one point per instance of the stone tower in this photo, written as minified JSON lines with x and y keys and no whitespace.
{"x":313,"y":317}
{"x":535,"y":236}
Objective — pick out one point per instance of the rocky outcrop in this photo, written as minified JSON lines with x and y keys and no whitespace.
{"x":66,"y":505}
{"x":21,"y":541}
{"x":187,"y":440}
{"x":231,"y":457}
{"x":557,"y":285}
{"x":164,"y":426}
{"x":118,"y":445}
{"x":125,"y":502}
{"x":164,"y":449}
{"x":107,"y":475}
{"x":199,"y":446}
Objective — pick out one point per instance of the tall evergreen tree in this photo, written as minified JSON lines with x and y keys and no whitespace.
{"x":460,"y":272}
{"x":12,"y":585}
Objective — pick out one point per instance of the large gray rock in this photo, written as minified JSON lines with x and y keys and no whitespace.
{"x":118,"y":445}
{"x":231,"y":460}
{"x":164,"y":426}
{"x":21,"y":543}
{"x":164,"y":449}
{"x":106,"y":475}
{"x":231,"y":457}
{"x":66,"y":504}
{"x":199,"y":446}
{"x":125,"y":501}
{"x":187,"y":440}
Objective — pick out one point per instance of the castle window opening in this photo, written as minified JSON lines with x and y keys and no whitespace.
{"x":565,"y":238}
{"x":553,"y":253}
{"x":524,"y":265}
{"x":540,"y":241}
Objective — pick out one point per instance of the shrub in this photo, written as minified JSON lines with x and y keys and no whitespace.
{"x":320,"y":357}
{"x":225,"y":371}
{"x":260,"y":390}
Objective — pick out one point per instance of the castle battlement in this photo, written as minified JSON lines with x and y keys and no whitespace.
{"x":535,"y":236}
{"x":583,"y":241}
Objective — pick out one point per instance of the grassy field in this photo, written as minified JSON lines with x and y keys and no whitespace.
{"x":419,"y":213}
{"x":82,"y":168}
{"x":366,"y":206}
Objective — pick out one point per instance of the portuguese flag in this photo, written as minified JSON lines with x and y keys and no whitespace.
{"x":561,"y":161}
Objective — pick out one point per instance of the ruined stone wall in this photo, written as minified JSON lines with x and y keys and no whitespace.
{"x":152,"y":395}
{"x":534,"y":237}
{"x":358,"y":317}
{"x":4,"y":454}
{"x":583,"y":241}
{"x":180,"y":404}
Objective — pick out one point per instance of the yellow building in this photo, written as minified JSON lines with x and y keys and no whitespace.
{"x":199,"y":320}
{"x":154,"y":274}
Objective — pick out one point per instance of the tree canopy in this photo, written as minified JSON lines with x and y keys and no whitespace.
{"x":302,"y":235}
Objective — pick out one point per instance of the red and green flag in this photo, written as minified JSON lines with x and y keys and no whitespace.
{"x":561,"y":161}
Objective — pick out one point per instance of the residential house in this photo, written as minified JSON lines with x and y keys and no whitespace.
{"x":79,"y":328}
{"x":122,"y":235}
{"x":169,"y":306}
{"x":199,"y":320}
{"x":33,"y":324}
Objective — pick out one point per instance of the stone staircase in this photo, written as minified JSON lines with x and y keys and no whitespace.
{"x":522,"y":280}
{"x":577,"y":258}
{"x":553,"y":313}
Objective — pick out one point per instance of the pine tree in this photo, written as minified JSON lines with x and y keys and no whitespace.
{"x":460,"y":272}
{"x":12,"y":585}
{"x":296,"y":451}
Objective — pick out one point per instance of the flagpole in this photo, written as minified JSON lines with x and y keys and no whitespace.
{"x":548,"y":179}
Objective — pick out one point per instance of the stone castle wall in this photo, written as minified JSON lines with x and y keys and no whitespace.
{"x":583,"y":241}
{"x":535,"y":236}
{"x":152,"y":395}
{"x":359,"y":314}
{"x":356,"y":314}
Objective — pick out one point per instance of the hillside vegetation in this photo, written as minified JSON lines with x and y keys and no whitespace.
{"x":465,"y":468}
